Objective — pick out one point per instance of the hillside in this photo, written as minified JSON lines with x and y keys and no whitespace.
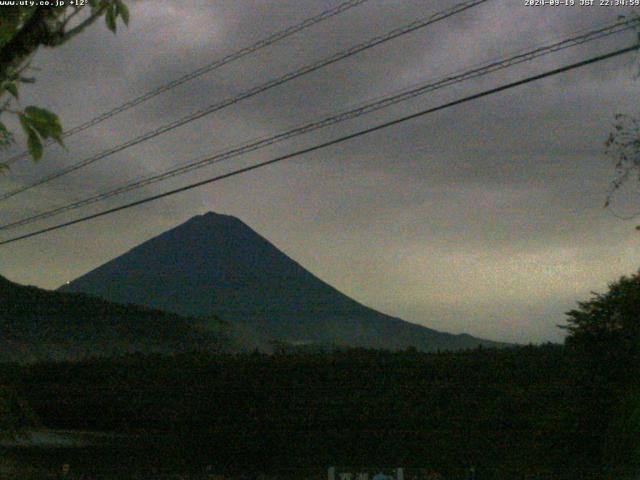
{"x":216,"y":264}
{"x":36,"y":324}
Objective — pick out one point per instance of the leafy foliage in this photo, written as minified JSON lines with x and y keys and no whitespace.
{"x":604,"y":333}
{"x":623,"y":143}
{"x":115,"y":10}
{"x":606,"y":329}
{"x":623,"y":146}
{"x":39,"y":124}
{"x":23,"y":29}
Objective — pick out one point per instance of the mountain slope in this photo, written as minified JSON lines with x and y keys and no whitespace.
{"x":217,"y":264}
{"x":37,"y":324}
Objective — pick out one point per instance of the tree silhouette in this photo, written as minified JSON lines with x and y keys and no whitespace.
{"x":23,"y":30}
{"x":606,"y":329}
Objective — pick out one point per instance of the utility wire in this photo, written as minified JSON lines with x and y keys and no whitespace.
{"x":265,"y":42}
{"x":411,"y":27}
{"x":320,"y":146}
{"x":370,"y":107}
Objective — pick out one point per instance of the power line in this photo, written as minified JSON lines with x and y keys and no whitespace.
{"x":370,"y":107}
{"x":404,"y":30}
{"x":329,"y":143}
{"x":265,"y":42}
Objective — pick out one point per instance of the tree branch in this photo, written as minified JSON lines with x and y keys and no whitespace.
{"x":34,"y":32}
{"x":65,"y":37}
{"x":68,"y":19}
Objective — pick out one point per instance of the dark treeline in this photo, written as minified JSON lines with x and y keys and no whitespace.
{"x":522,"y":412}
{"x":563,"y":412}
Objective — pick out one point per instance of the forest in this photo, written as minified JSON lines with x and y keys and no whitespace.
{"x":549,"y":411}
{"x":528,"y":412}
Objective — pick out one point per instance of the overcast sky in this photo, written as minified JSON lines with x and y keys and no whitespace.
{"x":486,"y":218}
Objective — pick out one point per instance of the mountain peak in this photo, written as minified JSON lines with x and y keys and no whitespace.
{"x":211,"y":219}
{"x":213,"y":216}
{"x":216,"y":264}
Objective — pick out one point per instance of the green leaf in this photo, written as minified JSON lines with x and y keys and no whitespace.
{"x":34,"y":144}
{"x":40,"y":114}
{"x":44,"y":122}
{"x":95,"y":4}
{"x":13,"y":17}
{"x":6,"y":137}
{"x":39,"y":123}
{"x":110,"y":18}
{"x":33,"y":141}
{"x":23,"y":121}
{"x":123,"y":10}
{"x":12,"y":89}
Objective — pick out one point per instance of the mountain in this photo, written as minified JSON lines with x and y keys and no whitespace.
{"x":37,"y":324}
{"x":217,"y":264}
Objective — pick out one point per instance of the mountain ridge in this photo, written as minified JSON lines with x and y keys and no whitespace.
{"x":37,"y":325}
{"x":215,"y":263}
